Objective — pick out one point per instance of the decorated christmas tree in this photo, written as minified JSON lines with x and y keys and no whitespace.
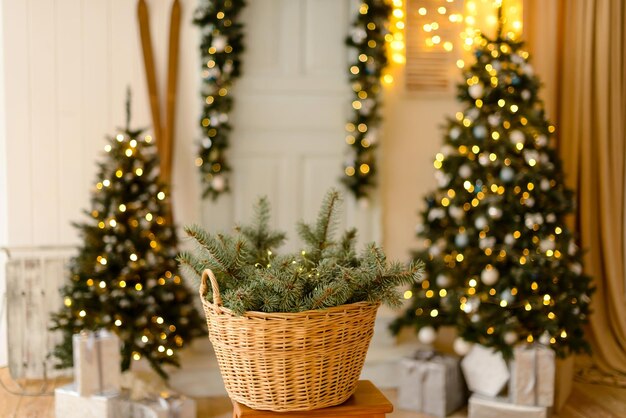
{"x":124,"y":277}
{"x":503,"y":266}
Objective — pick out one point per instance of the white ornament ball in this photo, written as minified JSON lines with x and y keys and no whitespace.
{"x":358,"y":35}
{"x":472,"y":114}
{"x":427,"y":335}
{"x":419,"y":228}
{"x":456,"y":212}
{"x":544,"y":338}
{"x":510,"y":337}
{"x":494,"y":212}
{"x":487,"y":242}
{"x":434,"y":251}
{"x":517,"y":137}
{"x":571,"y":248}
{"x":507,"y":174}
{"x":442,"y":179}
{"x":455,"y":133}
{"x":436,"y":213}
{"x":493,"y":119}
{"x":461,"y":240}
{"x":461,"y":347}
{"x":541,"y":140}
{"x":577,"y":268}
{"x":218,"y":183}
{"x":529,"y":220}
{"x":544,"y":185}
{"x":480,"y":131}
{"x":219,"y":43}
{"x":530,"y":155}
{"x":530,"y":202}
{"x":465,"y":171}
{"x":528,"y":69}
{"x":550,"y":218}
{"x":525,"y":95}
{"x":483,"y":159}
{"x":480,"y":222}
{"x":489,"y":276}
{"x":476,"y":91}
{"x":443,"y":280}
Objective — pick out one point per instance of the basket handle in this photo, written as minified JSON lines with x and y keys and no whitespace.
{"x":204,"y":288}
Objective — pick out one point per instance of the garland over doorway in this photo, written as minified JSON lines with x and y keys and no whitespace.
{"x":221,"y":47}
{"x":367,"y":36}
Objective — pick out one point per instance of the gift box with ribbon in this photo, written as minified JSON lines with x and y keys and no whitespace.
{"x":489,"y":407}
{"x":431,"y":383}
{"x":68,"y":403}
{"x":96,"y":363}
{"x":155,"y":398}
{"x":532,"y":375}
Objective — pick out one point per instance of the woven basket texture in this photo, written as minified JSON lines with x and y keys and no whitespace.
{"x":289,"y":361}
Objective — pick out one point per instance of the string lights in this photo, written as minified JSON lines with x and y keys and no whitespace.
{"x":368,"y":38}
{"x":221,"y":46}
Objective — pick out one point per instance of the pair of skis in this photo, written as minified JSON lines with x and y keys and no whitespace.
{"x":164,"y":134}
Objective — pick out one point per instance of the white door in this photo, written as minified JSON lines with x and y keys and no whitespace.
{"x":291,"y":106}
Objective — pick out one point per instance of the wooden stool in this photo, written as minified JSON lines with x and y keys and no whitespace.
{"x":367,"y":402}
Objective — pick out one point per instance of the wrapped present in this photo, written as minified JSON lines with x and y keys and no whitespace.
{"x":152,"y":395}
{"x":68,"y":403}
{"x":431,"y":383}
{"x":486,"y":407}
{"x":532,"y":375}
{"x":96,"y":362}
{"x":173,"y":406}
{"x":485,"y":371}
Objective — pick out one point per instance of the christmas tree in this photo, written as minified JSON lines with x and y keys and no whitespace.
{"x":503,"y":266}
{"x":124,"y":277}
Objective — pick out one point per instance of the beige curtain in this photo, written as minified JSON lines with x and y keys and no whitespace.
{"x":591,"y":117}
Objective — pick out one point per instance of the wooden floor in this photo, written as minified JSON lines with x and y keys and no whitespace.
{"x":586,"y":401}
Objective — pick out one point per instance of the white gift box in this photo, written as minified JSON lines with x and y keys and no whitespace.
{"x":486,"y":407}
{"x":431,"y":383}
{"x":68,"y":403}
{"x":172,"y":407}
{"x":96,"y":362}
{"x":532,"y":375}
{"x":485,"y":371}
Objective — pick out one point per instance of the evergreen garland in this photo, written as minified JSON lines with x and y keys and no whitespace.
{"x":220,"y":48}
{"x":326,"y":273}
{"x":367,"y":39}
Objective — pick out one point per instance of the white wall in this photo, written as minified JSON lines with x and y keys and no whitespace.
{"x":67,"y":65}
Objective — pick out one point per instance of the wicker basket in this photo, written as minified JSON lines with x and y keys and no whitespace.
{"x":289,"y":361}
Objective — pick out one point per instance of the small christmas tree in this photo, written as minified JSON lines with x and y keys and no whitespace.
{"x":124,"y":277}
{"x":503,"y":265}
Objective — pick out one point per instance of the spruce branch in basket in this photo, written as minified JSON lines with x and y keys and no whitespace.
{"x":253,"y":277}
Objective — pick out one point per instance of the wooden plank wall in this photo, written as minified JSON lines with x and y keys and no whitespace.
{"x":67,"y":64}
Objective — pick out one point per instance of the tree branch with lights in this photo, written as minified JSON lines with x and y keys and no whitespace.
{"x":367,"y":39}
{"x":221,"y":47}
